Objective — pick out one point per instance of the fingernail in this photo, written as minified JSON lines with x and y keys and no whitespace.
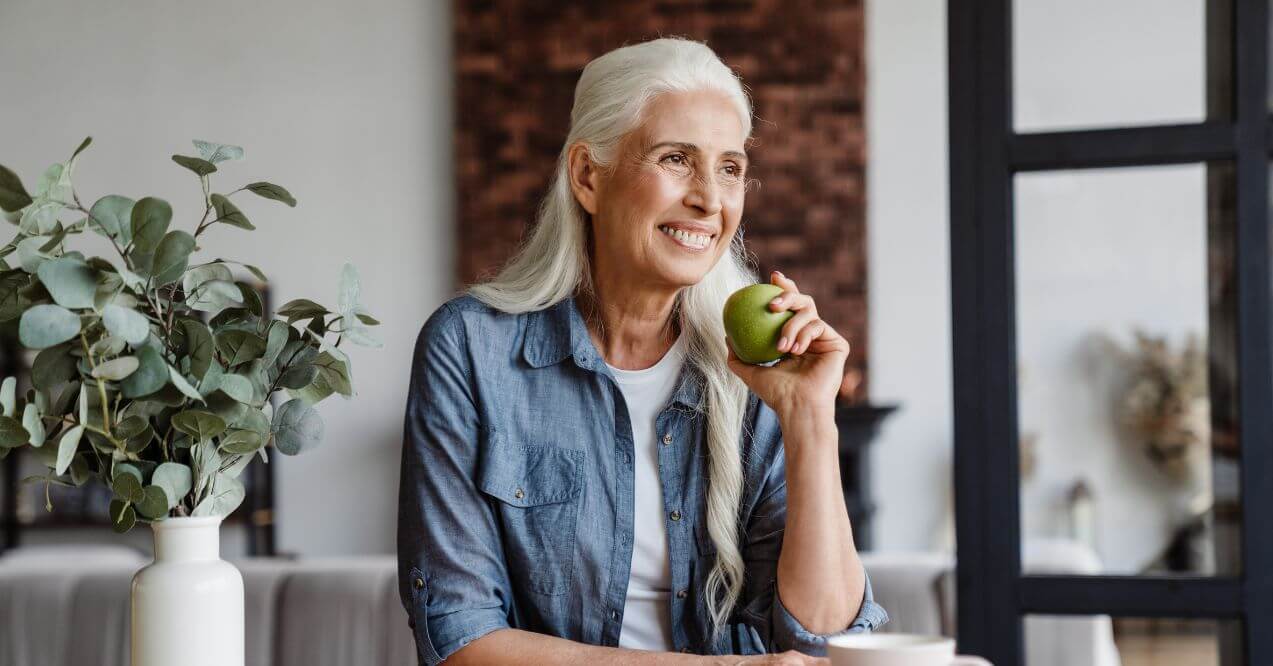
{"x":780,"y":274}
{"x":782,"y":344}
{"x":776,"y":301}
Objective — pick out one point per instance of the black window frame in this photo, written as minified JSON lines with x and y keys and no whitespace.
{"x":985,"y":154}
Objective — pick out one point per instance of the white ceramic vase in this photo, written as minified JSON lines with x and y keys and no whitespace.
{"x":187,"y":605}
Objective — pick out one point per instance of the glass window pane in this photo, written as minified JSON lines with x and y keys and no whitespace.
{"x":1126,"y":377}
{"x":1097,"y":63}
{"x":1099,"y":640}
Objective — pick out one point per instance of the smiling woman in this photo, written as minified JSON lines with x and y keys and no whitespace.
{"x":588,"y":473}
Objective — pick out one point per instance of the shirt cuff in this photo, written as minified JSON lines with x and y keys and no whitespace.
{"x":789,"y":634}
{"x":438,"y":637}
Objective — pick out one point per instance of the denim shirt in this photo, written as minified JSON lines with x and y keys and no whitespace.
{"x":516,"y":497}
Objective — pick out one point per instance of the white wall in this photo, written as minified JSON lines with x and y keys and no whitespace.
{"x":348,"y":105}
{"x":1097,"y":252}
{"x":909,"y":264}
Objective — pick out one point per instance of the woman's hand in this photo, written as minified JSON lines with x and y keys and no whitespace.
{"x":788,"y":658}
{"x":808,"y":380}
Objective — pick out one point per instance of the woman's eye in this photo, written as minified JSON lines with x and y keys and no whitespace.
{"x":677,"y":156}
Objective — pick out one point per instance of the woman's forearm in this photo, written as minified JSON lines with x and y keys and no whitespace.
{"x":515,"y":646}
{"x":820,"y":578}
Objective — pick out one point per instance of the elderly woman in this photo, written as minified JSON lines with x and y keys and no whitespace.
{"x":589,"y":473}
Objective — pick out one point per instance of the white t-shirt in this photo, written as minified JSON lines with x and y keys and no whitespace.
{"x":647,"y":620}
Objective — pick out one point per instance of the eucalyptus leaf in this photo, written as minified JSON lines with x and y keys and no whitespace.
{"x":122,"y":515}
{"x":70,"y":281}
{"x":29,"y":254}
{"x":154,"y":502}
{"x":229,"y":214}
{"x":199,"y":166}
{"x":199,"y":424}
{"x":128,"y":324}
{"x":12,"y":302}
{"x":13,"y":196}
{"x":301,"y":308}
{"x":116,"y":368}
{"x":215,"y":295}
{"x":66,"y":448}
{"x":198,"y":346}
{"x":347,"y":293}
{"x":80,"y":472}
{"x":150,"y":376}
{"x":83,"y":144}
{"x":131,"y":426}
{"x":149,"y":222}
{"x":298,"y":376}
{"x":226,"y":495}
{"x":46,"y":325}
{"x":272,"y":191}
{"x":34,"y":426}
{"x":237,"y":386}
{"x":297,"y":427}
{"x":361,"y":336}
{"x":197,"y":275}
{"x":275,"y":339}
{"x":172,"y":256}
{"x":175,"y":478}
{"x":239,"y":346}
{"x":8,"y":395}
{"x":113,"y":215}
{"x":41,"y":217}
{"x":183,"y":385}
{"x":12,"y":434}
{"x":127,"y":483}
{"x":110,"y":345}
{"x":52,"y":366}
{"x":216,"y":152}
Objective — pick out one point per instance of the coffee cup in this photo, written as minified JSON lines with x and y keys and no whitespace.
{"x":896,"y":650}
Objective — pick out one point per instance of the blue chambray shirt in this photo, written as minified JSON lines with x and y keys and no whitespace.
{"x":516,"y":498}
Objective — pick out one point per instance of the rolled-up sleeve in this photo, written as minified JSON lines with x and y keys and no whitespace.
{"x":761,"y":606}
{"x":451,"y":572}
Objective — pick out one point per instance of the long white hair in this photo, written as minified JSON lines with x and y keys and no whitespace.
{"x":553,"y":264}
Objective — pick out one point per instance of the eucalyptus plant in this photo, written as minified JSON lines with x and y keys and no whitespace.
{"x":154,"y":375}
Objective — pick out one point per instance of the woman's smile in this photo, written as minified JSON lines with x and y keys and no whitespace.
{"x":690,"y":242}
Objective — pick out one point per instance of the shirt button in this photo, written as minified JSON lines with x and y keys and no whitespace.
{"x":419,"y":583}
{"x":676,"y":515}
{"x":614,"y":615}
{"x":685,"y":650}
{"x":667,"y":438}
{"x":681,"y":594}
{"x":518,"y":493}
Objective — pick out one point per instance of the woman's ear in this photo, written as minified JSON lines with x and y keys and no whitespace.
{"x":583,"y":177}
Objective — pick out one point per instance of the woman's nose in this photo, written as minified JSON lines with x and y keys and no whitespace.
{"x":704,"y":194}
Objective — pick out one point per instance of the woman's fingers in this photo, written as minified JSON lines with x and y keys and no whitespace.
{"x":783,"y":281}
{"x":792,"y":300}
{"x":808,"y":334}
{"x":791,"y":329}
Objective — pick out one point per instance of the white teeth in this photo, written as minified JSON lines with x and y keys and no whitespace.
{"x":693,"y":240}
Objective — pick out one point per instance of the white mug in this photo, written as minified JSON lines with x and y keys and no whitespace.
{"x":896,"y":650}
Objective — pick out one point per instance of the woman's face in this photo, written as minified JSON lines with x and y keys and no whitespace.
{"x":669,"y":208}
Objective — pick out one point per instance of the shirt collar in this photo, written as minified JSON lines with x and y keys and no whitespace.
{"x":558,"y":332}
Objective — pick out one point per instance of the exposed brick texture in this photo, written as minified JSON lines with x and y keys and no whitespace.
{"x":517,"y":62}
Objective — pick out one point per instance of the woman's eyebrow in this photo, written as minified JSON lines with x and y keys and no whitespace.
{"x":694,"y":149}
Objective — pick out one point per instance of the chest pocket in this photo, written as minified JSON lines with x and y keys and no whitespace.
{"x":537,"y":490}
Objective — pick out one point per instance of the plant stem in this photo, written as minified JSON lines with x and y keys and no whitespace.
{"x":101,"y":386}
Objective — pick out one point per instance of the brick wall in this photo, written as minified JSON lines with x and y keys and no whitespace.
{"x":517,"y":62}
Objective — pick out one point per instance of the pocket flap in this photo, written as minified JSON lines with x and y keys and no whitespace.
{"x":530,"y":475}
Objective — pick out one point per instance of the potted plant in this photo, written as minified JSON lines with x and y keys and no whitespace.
{"x":154,"y":376}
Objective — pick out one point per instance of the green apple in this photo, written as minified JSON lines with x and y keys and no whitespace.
{"x":754,"y":329}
